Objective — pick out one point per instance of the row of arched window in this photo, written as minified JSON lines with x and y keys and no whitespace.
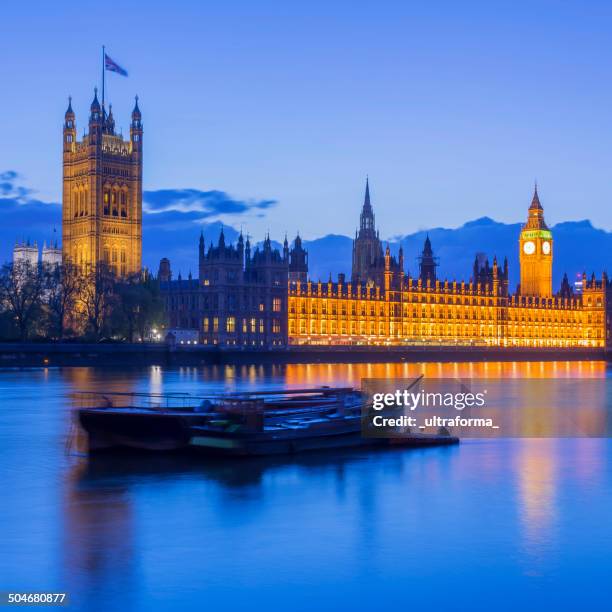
{"x":115,"y":200}
{"x":80,"y":202}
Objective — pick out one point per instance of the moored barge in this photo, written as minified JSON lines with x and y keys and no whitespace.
{"x":240,"y":424}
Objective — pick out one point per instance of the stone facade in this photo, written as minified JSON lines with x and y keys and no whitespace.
{"x":102,"y":192}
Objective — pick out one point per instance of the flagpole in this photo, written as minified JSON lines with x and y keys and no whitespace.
{"x":103,"y":80}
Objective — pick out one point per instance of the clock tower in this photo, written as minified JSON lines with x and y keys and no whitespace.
{"x":536,"y":252}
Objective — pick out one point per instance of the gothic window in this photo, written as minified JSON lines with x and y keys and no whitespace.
{"x":123,"y":204}
{"x":114,"y":203}
{"x":106,"y":199}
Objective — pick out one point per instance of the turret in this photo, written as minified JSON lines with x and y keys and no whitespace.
{"x":298,"y":262}
{"x":69,"y":127}
{"x":247,"y":251}
{"x":241,"y":248}
{"x":221,"y":240}
{"x":566,"y":289}
{"x":136,"y":127}
{"x":110,"y":121}
{"x":95,"y":120}
{"x":201,"y":245}
{"x":427,"y":263}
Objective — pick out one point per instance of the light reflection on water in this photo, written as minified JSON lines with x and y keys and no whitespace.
{"x":488,"y":524}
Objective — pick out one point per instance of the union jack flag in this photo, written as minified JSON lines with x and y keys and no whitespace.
{"x":113,"y":66}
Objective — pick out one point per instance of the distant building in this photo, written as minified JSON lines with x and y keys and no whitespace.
{"x":52,"y":255}
{"x":27,"y":252}
{"x":24,"y":252}
{"x":240,"y":296}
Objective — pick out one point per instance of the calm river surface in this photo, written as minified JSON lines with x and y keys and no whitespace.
{"x":488,"y":525}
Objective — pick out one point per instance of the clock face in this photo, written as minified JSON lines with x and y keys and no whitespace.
{"x":546,"y":247}
{"x":529,"y":247}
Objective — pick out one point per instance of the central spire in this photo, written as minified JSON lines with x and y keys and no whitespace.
{"x":366,"y":221}
{"x":367,"y":206}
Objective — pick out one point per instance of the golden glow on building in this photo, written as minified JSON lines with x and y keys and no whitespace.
{"x":400,"y":310}
{"x":536,"y":252}
{"x":102,"y":192}
{"x":443,"y":314}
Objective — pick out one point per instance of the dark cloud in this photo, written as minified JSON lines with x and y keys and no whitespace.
{"x":206,"y":204}
{"x":23,"y":217}
{"x":8,"y":175}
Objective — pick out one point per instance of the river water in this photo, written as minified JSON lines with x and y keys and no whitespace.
{"x":491,"y":524}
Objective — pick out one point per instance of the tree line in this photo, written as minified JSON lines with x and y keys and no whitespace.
{"x":64,"y":302}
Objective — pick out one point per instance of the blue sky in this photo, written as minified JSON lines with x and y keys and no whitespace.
{"x":453,"y":109}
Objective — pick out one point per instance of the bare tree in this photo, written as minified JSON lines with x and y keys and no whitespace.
{"x":65,"y":284}
{"x":97,"y":298}
{"x":22,"y":288}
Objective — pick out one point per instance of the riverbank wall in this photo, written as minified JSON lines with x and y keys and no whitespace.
{"x":124,"y":354}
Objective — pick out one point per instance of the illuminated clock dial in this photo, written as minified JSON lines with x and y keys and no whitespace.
{"x":546,"y":247}
{"x":529,"y":248}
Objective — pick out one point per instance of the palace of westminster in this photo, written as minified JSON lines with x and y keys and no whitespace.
{"x":248,"y":296}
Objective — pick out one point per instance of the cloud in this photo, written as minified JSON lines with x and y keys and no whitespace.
{"x":200,"y":204}
{"x":10,"y":188}
{"x":23,"y":217}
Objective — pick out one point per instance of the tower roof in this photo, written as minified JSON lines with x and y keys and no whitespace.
{"x":69,"y":110}
{"x":95,"y":104}
{"x":136,"y":112}
{"x":536,"y":213}
{"x":535,"y":202}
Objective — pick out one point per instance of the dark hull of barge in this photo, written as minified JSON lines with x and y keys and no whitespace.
{"x":109,"y":430}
